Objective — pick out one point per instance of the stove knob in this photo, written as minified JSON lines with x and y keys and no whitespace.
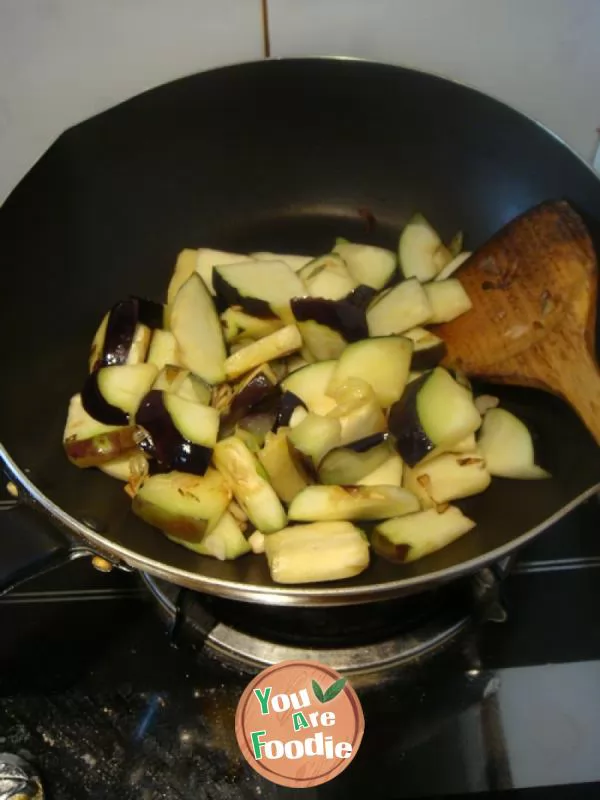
{"x":18,"y":779}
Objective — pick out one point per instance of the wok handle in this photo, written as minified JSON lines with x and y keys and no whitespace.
{"x":30,"y":545}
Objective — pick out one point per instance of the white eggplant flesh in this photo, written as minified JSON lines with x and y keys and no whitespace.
{"x":506,"y":444}
{"x":388,"y":474}
{"x":421,"y":252}
{"x":277,"y":345}
{"x":197,"y":328}
{"x":323,"y":551}
{"x":404,"y":307}
{"x":383,"y":362}
{"x":248,"y":481}
{"x":448,"y":300}
{"x":447,"y":477}
{"x":409,"y":538}
{"x":326,"y":503}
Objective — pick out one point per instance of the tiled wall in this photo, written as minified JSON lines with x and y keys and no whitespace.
{"x":62,"y":60}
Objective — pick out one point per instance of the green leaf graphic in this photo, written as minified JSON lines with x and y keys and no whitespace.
{"x":318,"y":692}
{"x":334,"y":690}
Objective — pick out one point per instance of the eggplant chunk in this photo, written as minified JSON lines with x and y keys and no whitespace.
{"x":327,"y":326}
{"x":345,"y":466}
{"x":434,"y":412}
{"x":286,"y":473}
{"x":197,"y":329}
{"x":421,"y":252}
{"x":294,"y":262}
{"x":184,"y":506}
{"x":428,"y":351}
{"x":262,"y":288}
{"x":112,"y":394}
{"x":325,"y":503}
{"x":447,"y":477}
{"x":225,"y":542}
{"x":315,"y":436}
{"x":89,"y":443}
{"x":248,"y":482}
{"x":323,"y":551}
{"x":255,"y":388}
{"x":203,"y":262}
{"x":184,"y":384}
{"x":453,"y":265}
{"x":327,"y":277}
{"x":368,"y":265}
{"x":287,"y":405}
{"x":408,"y":538}
{"x":120,"y":338}
{"x":507,"y":446}
{"x":388,"y":474}
{"x":448,"y":300}
{"x":357,"y":410}
{"x":131,"y":467}
{"x":281,"y":343}
{"x":399,"y":309}
{"x":383,"y":362}
{"x":310,"y":384}
{"x":237,"y":324}
{"x":163,"y":349}
{"x":181,"y":434}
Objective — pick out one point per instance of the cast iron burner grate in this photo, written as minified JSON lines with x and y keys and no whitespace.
{"x":352,"y":639}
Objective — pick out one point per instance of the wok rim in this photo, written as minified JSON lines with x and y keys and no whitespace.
{"x":274,"y":595}
{"x":305,"y":595}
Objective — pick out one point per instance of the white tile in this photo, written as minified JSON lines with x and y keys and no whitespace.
{"x":64,"y":60}
{"x":542,"y":56}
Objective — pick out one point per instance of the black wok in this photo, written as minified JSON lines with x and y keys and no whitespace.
{"x":277,"y":155}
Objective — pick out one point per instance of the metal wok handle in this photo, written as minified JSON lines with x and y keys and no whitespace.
{"x":30,"y":545}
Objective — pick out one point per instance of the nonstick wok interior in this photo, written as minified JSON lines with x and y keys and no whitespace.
{"x":281,"y":155}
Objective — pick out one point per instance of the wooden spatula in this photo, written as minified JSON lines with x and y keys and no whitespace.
{"x":533,"y":321}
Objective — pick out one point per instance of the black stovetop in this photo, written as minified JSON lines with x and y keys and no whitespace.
{"x":94,"y":692}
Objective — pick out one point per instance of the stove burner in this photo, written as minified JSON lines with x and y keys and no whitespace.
{"x":351,"y":639}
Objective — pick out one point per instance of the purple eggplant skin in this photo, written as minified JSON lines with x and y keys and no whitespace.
{"x":255,"y":392}
{"x":367,"y":443}
{"x":288,"y":403}
{"x":150,"y":313}
{"x":348,"y":320}
{"x":428,"y":358}
{"x":410,"y":440}
{"x":120,"y":330}
{"x":228,"y":295}
{"x":97,"y":407}
{"x":361,"y":296}
{"x":165,"y":444}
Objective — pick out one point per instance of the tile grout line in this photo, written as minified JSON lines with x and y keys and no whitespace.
{"x":266,"y":34}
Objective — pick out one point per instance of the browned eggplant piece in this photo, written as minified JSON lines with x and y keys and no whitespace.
{"x":89,"y":443}
{"x":184,"y":506}
{"x":286,"y":472}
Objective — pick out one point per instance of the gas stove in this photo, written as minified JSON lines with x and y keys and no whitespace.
{"x":122,"y":686}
